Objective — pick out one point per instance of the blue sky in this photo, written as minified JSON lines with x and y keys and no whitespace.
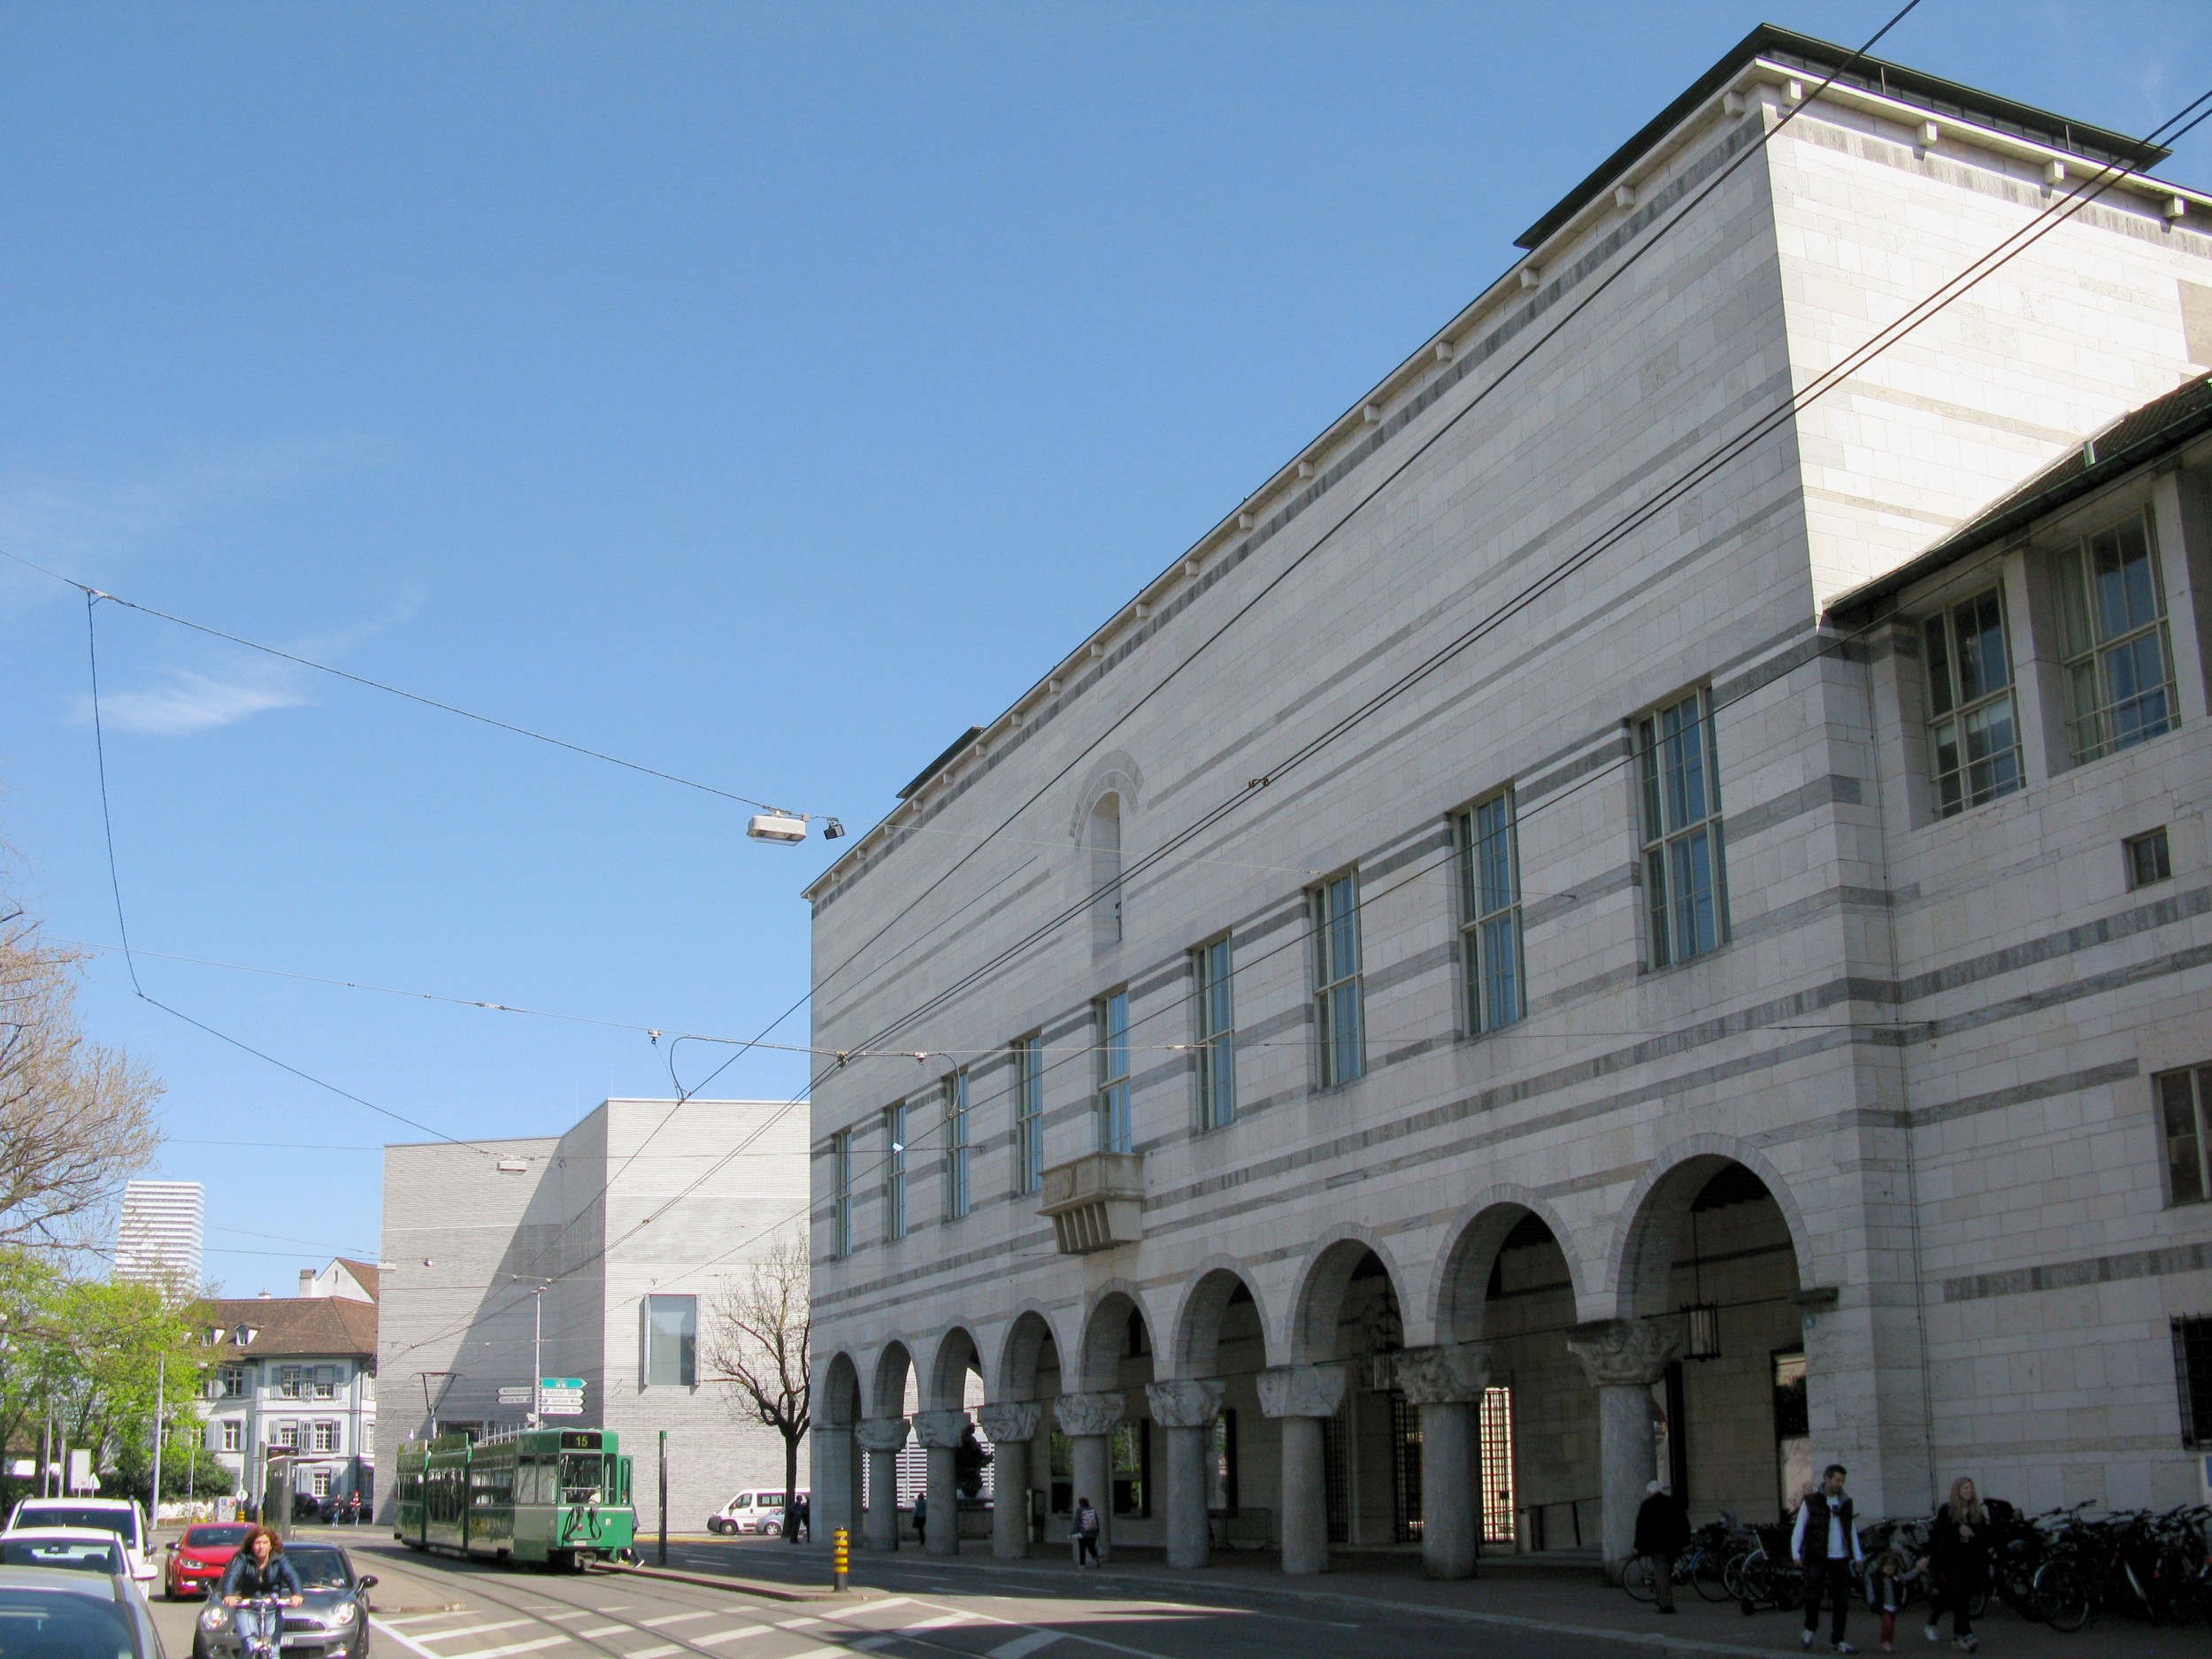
{"x":761,"y":393}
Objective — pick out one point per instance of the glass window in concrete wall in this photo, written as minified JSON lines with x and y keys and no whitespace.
{"x":1132,"y":1453}
{"x":2184,"y":1097}
{"x":1973,"y":729}
{"x":234,"y":1435}
{"x":324,"y":1437}
{"x":1221,"y":1466}
{"x":672,"y":1341}
{"x":236,"y":1382}
{"x":894,"y":1171}
{"x":1490,"y":913}
{"x":1339,"y":996}
{"x":2112,"y":618}
{"x":1105,"y":836}
{"x":1214,"y":1032}
{"x":1497,"y":1429}
{"x":1029,"y":1113}
{"x":1684,"y":892}
{"x":1109,"y":1020}
{"x":841,"y":1192}
{"x":956,"y":1146}
{"x":2192,"y":1368}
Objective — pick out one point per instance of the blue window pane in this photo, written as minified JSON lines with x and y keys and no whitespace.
{"x":1502,"y":981}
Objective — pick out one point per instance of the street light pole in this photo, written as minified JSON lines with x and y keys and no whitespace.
{"x":537,"y":1353}
{"x":153,"y":1505}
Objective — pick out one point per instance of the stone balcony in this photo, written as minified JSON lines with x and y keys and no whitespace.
{"x":1096,"y":1201}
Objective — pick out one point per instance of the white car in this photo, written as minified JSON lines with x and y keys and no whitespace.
{"x":120,"y":1517}
{"x":749,"y":1512}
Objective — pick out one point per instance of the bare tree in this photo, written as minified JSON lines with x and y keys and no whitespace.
{"x":758,"y":1335}
{"x":76,"y":1119}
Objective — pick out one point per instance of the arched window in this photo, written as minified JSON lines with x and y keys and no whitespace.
{"x":1105,"y":838}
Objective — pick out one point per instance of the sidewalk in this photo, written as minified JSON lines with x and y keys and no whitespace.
{"x":1515,"y":1593}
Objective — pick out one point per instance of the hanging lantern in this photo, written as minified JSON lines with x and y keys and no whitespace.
{"x":1700,"y":1335}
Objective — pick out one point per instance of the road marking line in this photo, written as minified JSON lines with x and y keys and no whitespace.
{"x":660,"y":1652}
{"x":672,"y":1618}
{"x":594,"y":1633}
{"x":729,"y":1635}
{"x":474,"y":1630}
{"x":799,"y":1623}
{"x":402,"y":1638}
{"x":574,"y":1612}
{"x":941,"y":1621}
{"x":1022,"y":1646}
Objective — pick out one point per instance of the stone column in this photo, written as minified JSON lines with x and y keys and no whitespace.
{"x":1089,"y":1421}
{"x":1009,"y":1427}
{"x":940,"y":1432}
{"x":836,"y":1481}
{"x":1300,"y":1396}
{"x":1623,"y":1358}
{"x":881,"y":1438}
{"x":1187,"y":1407}
{"x":1447,"y":1383}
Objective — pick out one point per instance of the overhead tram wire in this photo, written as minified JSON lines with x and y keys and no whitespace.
{"x":1762,"y":428}
{"x":1389,"y":477}
{"x":92,"y":593}
{"x":122,"y":924}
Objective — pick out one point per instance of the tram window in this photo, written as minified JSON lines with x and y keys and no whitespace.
{"x":580,"y":1477}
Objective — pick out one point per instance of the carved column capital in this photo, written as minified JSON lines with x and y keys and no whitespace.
{"x":1302,"y":1391}
{"x":1183,"y":1402}
{"x":1450,"y":1373}
{"x":1087,"y":1414}
{"x":1009,"y":1420}
{"x":942,"y":1431}
{"x":880,"y":1434}
{"x":1624,"y":1352}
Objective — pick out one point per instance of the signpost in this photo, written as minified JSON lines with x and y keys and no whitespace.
{"x":561,"y":1396}
{"x":516,"y":1395}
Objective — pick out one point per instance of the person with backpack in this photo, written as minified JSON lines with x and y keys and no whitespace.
{"x":1086,"y":1533}
{"x":1826,"y":1543}
{"x":1959,"y":1547}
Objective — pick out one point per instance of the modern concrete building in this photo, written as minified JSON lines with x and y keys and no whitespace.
{"x":606,"y":1249}
{"x":158,"y":1235}
{"x":296,"y":1375}
{"x":1614,"y":918}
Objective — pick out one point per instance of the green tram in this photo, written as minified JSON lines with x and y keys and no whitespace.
{"x":557,"y":1496}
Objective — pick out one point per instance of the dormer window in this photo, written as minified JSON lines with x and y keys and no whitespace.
{"x":244,"y":1335}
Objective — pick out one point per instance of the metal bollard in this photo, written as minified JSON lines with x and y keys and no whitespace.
{"x":840,"y":1559}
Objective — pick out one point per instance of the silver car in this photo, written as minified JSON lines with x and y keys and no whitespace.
{"x":331,"y":1621}
{"x":47,"y":1611}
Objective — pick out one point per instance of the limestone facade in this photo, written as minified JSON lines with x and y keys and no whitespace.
{"x":1516,"y":1144}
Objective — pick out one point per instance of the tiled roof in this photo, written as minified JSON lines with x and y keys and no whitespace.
{"x":2140,"y":435}
{"x":290,"y":1327}
{"x":365,"y":1274}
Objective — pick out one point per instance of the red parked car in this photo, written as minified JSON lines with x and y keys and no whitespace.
{"x":196,"y":1560}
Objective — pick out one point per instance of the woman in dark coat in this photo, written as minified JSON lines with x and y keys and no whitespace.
{"x":1958,"y":1551}
{"x":258,"y":1569}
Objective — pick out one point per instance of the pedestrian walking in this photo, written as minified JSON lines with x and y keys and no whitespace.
{"x":1958,"y":1547}
{"x":801,"y":1519}
{"x":921,"y":1518}
{"x":1663,"y":1527}
{"x":1086,"y":1533}
{"x":1825,"y":1544}
{"x":1887,"y":1587}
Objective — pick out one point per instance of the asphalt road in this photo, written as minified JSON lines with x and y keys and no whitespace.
{"x":907,"y":1612}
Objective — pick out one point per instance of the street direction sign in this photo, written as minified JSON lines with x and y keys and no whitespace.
{"x":561,"y":1396}
{"x":518,"y":1395}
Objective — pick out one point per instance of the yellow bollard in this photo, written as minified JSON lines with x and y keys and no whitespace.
{"x":841,"y":1561}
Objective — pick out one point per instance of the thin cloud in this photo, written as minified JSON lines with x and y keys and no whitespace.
{"x":183,"y":701}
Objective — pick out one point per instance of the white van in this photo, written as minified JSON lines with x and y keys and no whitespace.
{"x":120,"y":1516}
{"x":750,"y":1512}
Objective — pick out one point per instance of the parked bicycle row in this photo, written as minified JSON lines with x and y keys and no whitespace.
{"x":2063,"y":1568}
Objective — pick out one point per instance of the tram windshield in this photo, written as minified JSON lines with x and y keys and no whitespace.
{"x":580,"y":1477}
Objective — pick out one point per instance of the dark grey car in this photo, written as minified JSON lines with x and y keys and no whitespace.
{"x":333,"y":1619}
{"x":46,"y":1611}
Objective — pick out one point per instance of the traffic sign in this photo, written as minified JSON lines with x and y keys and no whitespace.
{"x":561,"y":1396}
{"x":518,"y":1395}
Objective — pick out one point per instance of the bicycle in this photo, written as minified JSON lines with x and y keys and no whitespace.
{"x":261,"y":1624}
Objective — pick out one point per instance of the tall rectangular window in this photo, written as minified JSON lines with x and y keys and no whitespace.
{"x":956,"y":1146}
{"x":1684,"y":892}
{"x":841,"y":1192}
{"x":1496,"y":1428}
{"x":2183,"y":1098}
{"x":1111,"y":1103}
{"x":894,"y":1171}
{"x":2193,"y":1372}
{"x":326,"y":1438}
{"x":1340,"y":1033}
{"x":1973,"y":730}
{"x":233,"y":1435}
{"x":1029,"y":1114}
{"x":672,"y":1341}
{"x":1490,"y":913}
{"x":1214,"y":1032}
{"x":2112,"y":617}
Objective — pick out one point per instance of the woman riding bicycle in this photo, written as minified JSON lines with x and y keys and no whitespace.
{"x":259,"y":1572}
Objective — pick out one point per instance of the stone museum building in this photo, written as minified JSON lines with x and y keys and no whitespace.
{"x":1641,"y":908}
